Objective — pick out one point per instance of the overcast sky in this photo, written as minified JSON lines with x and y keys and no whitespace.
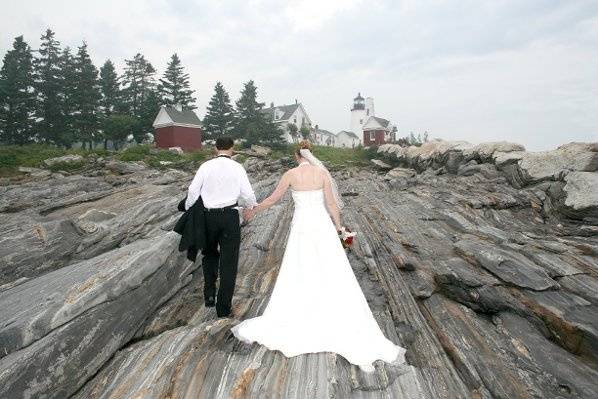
{"x":518,"y":70}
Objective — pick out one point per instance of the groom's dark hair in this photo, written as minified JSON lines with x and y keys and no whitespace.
{"x":224,"y":143}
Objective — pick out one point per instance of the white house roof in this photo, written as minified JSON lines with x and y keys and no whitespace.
{"x":285,"y":112}
{"x":375,"y":122}
{"x":324,"y":132}
{"x":168,"y":116}
{"x":348,"y":133}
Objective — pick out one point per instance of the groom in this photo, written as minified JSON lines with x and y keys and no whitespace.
{"x":220,"y":182}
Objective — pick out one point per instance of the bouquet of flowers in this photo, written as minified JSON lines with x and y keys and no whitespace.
{"x":346,"y":236}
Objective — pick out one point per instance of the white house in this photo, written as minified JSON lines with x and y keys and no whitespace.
{"x":347,"y":139}
{"x":323,"y":137}
{"x":283,"y":115}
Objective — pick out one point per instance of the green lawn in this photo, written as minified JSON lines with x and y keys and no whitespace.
{"x":333,"y":157}
{"x":33,"y":155}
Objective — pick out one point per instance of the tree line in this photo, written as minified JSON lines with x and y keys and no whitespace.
{"x":57,"y":96}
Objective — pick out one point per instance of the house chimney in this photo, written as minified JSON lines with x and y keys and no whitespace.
{"x":295,"y":101}
{"x":272,"y":104}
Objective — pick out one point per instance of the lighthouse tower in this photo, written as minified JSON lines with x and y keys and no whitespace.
{"x":360,"y":112}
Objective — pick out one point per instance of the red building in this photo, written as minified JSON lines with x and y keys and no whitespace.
{"x":377,"y":131}
{"x":176,"y":127}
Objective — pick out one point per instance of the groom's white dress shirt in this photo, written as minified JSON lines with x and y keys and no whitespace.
{"x":220,"y":182}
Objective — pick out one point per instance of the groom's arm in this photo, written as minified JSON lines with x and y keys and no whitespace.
{"x":246,"y":190}
{"x":194,"y":188}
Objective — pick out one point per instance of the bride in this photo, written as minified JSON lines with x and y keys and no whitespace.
{"x":317,"y":304}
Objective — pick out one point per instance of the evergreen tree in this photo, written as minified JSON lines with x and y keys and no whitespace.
{"x":68,"y":101}
{"x":86,"y":96}
{"x":47,"y":85}
{"x":110,"y":103}
{"x":293,"y":131}
{"x":17,"y":100}
{"x":117,"y":127}
{"x":147,"y":113}
{"x":174,"y":85}
{"x":220,"y":116}
{"x":109,"y":89}
{"x":305,"y":132}
{"x":139,"y":94}
{"x":251,"y":123}
{"x":138,"y":80}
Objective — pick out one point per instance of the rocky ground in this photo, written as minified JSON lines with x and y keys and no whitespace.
{"x":481,"y":260}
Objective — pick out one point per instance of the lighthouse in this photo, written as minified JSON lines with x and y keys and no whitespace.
{"x":361,"y":110}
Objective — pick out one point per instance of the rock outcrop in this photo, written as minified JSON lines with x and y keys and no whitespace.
{"x":490,"y":285}
{"x":566,"y":176}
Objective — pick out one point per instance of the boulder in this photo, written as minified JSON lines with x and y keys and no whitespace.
{"x":381,"y":164}
{"x":555,"y":164}
{"x":176,"y":150}
{"x":124,"y":168}
{"x":261,"y":150}
{"x":401,"y":173}
{"x":581,"y":190}
{"x":485,"y":151}
{"x":63,"y":159}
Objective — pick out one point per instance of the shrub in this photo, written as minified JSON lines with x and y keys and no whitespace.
{"x":134,"y":153}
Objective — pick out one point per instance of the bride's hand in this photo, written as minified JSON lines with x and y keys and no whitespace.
{"x":248,"y":214}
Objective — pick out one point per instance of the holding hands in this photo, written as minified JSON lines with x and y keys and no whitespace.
{"x":249,"y":213}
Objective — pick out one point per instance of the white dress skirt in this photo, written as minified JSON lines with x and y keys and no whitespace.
{"x":317,"y":304}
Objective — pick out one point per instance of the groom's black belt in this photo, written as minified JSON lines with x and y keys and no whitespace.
{"x":223,"y":209}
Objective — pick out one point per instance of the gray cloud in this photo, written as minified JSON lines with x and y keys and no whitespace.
{"x":473,"y":70}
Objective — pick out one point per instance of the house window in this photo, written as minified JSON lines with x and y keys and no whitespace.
{"x":295,"y":120}
{"x":367,"y":112}
{"x":372,"y":136}
{"x":361,"y":121}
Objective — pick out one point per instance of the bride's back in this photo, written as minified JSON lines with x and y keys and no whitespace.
{"x":306,"y":177}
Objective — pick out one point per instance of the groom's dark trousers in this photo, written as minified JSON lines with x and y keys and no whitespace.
{"x":221,"y":256}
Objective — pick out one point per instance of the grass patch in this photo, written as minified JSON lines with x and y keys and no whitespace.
{"x":153,"y":157}
{"x":342,"y":157}
{"x":67,"y":166}
{"x":333,"y":157}
{"x":134,"y":153}
{"x":33,"y":156}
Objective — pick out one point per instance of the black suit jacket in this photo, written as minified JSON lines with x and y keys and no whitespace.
{"x":192,"y":228}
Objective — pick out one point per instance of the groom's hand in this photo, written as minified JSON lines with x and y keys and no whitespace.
{"x":247,"y":214}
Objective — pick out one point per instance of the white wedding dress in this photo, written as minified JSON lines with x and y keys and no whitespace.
{"x":317,"y":304}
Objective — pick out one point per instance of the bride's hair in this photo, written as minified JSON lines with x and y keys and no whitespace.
{"x":303,"y":145}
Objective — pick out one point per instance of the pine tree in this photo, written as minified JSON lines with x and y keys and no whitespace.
{"x":220,"y":116}
{"x":109,"y":89}
{"x":86,"y":96}
{"x":138,"y":81}
{"x":17,"y":100}
{"x":174,"y":85}
{"x":147,"y":113}
{"x":47,"y":85}
{"x":68,"y":99}
{"x":110,"y":103}
{"x":139,"y":94}
{"x":251,"y":123}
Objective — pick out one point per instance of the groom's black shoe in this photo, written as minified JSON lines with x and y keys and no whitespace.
{"x":210,"y":302}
